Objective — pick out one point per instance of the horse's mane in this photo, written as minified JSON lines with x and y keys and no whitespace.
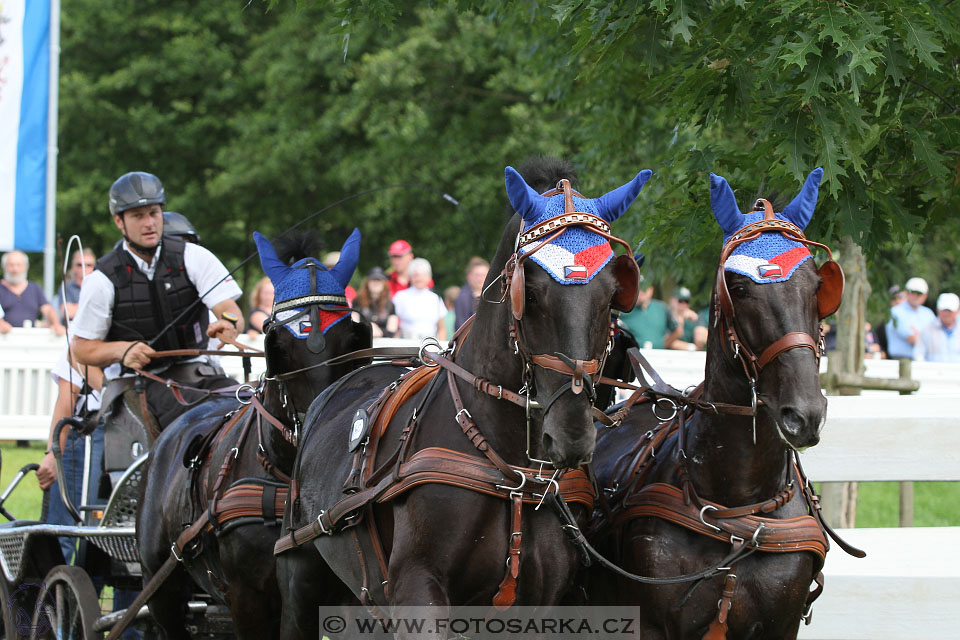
{"x":291,"y":247}
{"x":542,"y":173}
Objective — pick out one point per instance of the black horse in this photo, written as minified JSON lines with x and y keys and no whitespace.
{"x":721,"y":488}
{"x":253,"y":446}
{"x":542,"y":327}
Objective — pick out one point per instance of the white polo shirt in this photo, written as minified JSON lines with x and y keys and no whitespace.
{"x":95,"y":308}
{"x":63,"y":370}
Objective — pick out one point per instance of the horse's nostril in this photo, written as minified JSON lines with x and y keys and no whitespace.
{"x":802,"y":427}
{"x":791,"y":420}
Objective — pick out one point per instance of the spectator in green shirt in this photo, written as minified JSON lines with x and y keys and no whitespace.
{"x":650,"y":322}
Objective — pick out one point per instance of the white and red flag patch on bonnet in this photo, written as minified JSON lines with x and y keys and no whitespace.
{"x":566,"y":260}
{"x":769,"y":258}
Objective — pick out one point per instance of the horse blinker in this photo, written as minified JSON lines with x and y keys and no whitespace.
{"x":628,"y":282}
{"x":830,"y":292}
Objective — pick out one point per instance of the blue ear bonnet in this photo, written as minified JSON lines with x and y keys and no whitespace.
{"x":291,"y":282}
{"x":771,"y":257}
{"x":296,"y":283}
{"x":578,"y":254}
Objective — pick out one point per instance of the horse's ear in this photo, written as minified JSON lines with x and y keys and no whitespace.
{"x":523,"y":198}
{"x":612,"y":205}
{"x":800,"y":210}
{"x":349,"y":256}
{"x":273,"y":266}
{"x":724,"y":205}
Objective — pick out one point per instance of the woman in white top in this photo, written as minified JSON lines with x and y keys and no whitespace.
{"x":420,"y":310}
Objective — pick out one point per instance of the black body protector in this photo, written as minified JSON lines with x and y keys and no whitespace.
{"x":143,"y":308}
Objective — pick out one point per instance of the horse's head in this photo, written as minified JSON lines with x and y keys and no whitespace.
{"x":561,"y":282}
{"x":310,"y":321}
{"x":768,"y":300}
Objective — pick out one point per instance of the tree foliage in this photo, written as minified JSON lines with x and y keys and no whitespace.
{"x":257,"y":114}
{"x":762,"y":93}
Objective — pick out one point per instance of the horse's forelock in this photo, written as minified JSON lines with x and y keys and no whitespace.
{"x":543,"y":173}
{"x":293,"y":247}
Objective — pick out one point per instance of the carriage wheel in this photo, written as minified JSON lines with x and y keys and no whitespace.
{"x":68,"y":606}
{"x":8,"y":631}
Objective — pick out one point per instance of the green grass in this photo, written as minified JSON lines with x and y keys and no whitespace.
{"x":936,"y":504}
{"x":25,"y":501}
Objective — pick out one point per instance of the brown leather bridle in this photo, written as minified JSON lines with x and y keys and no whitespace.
{"x":829,"y":296}
{"x":513,"y":285}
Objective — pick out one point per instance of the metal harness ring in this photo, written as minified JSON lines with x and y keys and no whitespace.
{"x":423,"y":351}
{"x":672,"y":407}
{"x":245,"y":385}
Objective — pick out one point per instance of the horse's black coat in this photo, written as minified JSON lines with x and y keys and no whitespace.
{"x":240,"y":559}
{"x":726,"y":467}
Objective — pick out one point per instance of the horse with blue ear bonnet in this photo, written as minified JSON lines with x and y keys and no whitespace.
{"x":708,"y":509}
{"x":256,"y":442}
{"x":402,"y":519}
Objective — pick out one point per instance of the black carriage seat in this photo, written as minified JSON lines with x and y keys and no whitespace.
{"x":126,"y":434}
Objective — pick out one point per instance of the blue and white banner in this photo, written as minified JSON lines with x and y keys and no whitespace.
{"x":24,"y":91}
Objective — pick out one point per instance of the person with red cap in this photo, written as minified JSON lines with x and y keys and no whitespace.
{"x":401,"y":254}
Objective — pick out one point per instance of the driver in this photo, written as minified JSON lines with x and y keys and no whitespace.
{"x":144,"y":297}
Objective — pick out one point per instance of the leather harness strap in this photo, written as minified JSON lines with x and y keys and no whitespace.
{"x":792,"y":340}
{"x":718,"y":627}
{"x":775,"y":535}
{"x":176,"y":554}
{"x":507,"y":591}
{"x":435,"y":465}
{"x":246,"y":500}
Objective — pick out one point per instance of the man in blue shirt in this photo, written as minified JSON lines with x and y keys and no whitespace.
{"x":940,"y":340}
{"x":908,"y":319}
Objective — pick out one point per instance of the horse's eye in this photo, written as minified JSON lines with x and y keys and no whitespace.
{"x":738,"y":290}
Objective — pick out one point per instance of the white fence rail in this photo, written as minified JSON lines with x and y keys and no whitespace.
{"x":27,"y":393}
{"x":909,"y":583}
{"x":906,"y":587}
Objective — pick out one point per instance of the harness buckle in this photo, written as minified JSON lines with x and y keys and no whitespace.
{"x":323,"y":529}
{"x":463,"y":411}
{"x":173,"y":552}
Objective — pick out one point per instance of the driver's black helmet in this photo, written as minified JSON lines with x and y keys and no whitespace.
{"x":176,"y":225}
{"x":135,"y":189}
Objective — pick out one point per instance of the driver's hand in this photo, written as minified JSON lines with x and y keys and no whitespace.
{"x":223,"y":330}
{"x":138,"y":356}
